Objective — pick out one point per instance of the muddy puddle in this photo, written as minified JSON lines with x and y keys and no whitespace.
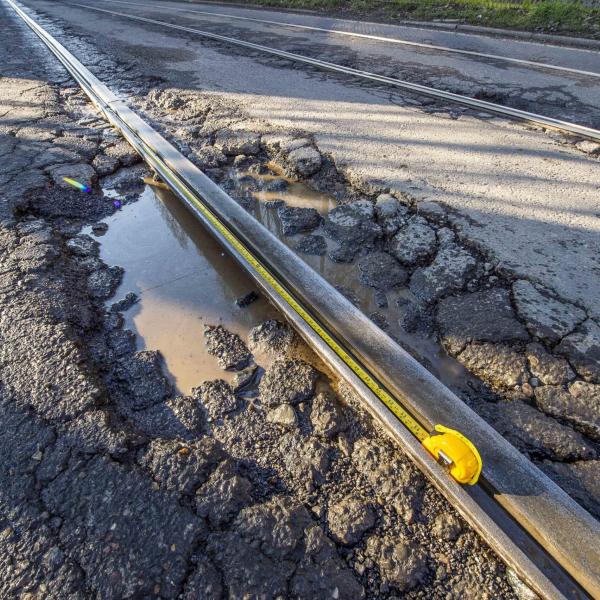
{"x":184,"y":281}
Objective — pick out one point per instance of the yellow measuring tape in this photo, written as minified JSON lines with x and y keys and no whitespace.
{"x":449,"y":447}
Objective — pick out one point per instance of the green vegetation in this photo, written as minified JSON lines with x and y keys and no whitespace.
{"x":556,"y":16}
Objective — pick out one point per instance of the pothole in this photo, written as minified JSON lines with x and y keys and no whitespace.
{"x":184,"y":281}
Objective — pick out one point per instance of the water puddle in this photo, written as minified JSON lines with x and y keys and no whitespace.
{"x":184,"y":281}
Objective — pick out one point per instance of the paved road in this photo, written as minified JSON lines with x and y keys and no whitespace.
{"x":528,"y":199}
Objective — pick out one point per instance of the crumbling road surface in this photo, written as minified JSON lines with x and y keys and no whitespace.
{"x":272,"y":482}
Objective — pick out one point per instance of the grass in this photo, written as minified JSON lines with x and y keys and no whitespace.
{"x":554,"y":16}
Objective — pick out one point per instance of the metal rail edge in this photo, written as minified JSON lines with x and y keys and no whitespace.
{"x":533,"y":525}
{"x":483,"y":105}
{"x":369,"y":36}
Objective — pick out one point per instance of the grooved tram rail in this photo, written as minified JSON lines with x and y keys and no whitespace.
{"x":529,"y":522}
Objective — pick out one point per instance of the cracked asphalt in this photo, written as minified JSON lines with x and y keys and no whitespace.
{"x":274,"y":484}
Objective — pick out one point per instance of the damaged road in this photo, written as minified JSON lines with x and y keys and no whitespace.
{"x":281,"y":458}
{"x":271,"y":486}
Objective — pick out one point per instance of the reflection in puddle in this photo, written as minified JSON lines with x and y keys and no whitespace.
{"x":184,"y":281}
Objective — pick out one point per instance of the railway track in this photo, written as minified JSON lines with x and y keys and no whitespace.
{"x":438,"y":94}
{"x":525,"y":518}
{"x":377,"y":38}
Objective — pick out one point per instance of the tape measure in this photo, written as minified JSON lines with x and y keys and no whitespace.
{"x":449,"y":447}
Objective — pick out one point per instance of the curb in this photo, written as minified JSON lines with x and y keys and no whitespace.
{"x":560,"y":40}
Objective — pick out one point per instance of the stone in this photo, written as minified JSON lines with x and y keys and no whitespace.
{"x":549,"y":369}
{"x":102,"y":283}
{"x":536,"y":434}
{"x":295,"y":219}
{"x":580,"y":406}
{"x":414,"y":243}
{"x":327,"y":416}
{"x":99,"y":229}
{"x":485,"y":316}
{"x":283,"y":415}
{"x":287,"y":382}
{"x":546,"y":317}
{"x":312,"y":244}
{"x":124,"y":153}
{"x":432,"y":211}
{"x":582,"y":350}
{"x":81,"y":172}
{"x":381,"y":271}
{"x":83,"y":245}
{"x":387,"y":207}
{"x":125,"y":303}
{"x":349,"y":519}
{"x":208,"y":157}
{"x":247,"y":299}
{"x":232,"y":143}
{"x":390,"y":213}
{"x":447,"y":526}
{"x":277,"y":184}
{"x":231,"y":352}
{"x":217,"y":397}
{"x":402,"y":564}
{"x":222,"y":497}
{"x":353,"y":225}
{"x":304,"y":161}
{"x":497,"y":364}
{"x":448,"y":273}
{"x":273,"y":337}
{"x":105,"y":165}
{"x":345,"y":252}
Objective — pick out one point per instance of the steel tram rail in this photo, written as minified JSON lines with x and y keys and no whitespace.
{"x":516,"y":503}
